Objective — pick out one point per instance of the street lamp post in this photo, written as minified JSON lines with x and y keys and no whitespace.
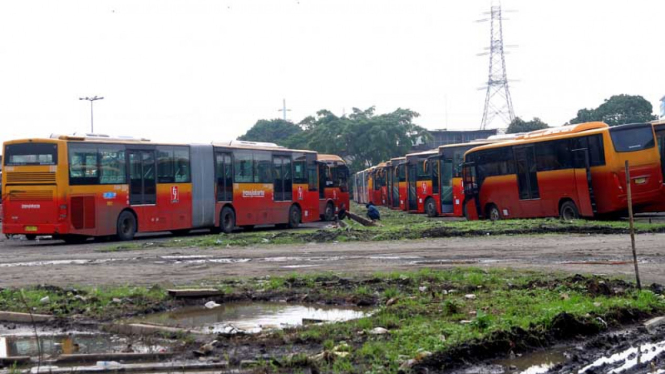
{"x":91,"y":99}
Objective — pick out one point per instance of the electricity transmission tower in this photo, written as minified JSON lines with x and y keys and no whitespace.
{"x":498,"y":103}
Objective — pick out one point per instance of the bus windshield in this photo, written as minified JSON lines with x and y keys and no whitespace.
{"x":632,"y":139}
{"x":31,"y":154}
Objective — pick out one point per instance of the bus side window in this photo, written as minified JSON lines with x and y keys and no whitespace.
{"x":83,"y":164}
{"x":165,"y":165}
{"x":182,"y":167}
{"x":113,"y":165}
{"x":242,"y":167}
{"x":313,"y":177}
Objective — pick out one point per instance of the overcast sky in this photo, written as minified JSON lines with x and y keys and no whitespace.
{"x":197,"y":70}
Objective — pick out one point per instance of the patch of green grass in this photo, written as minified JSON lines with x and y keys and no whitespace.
{"x":398,"y":225}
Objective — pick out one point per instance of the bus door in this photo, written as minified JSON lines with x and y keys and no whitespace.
{"x":583,"y":182}
{"x":472,"y":184}
{"x":412,"y":201}
{"x":527,"y":182}
{"x":323,"y":180}
{"x":143,"y":186}
{"x":283,"y":183}
{"x":389,"y":186}
{"x":395,"y":186}
{"x":446,"y":172}
{"x":224,"y":176}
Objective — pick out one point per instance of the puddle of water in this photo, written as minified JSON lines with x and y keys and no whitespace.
{"x":629,"y":358}
{"x":251,"y":317}
{"x":23,"y":344}
{"x":59,"y":262}
{"x":299,"y":266}
{"x":534,"y":363}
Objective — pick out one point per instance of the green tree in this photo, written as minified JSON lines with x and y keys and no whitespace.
{"x":519,"y":125}
{"x":275,"y":131}
{"x":618,"y":110}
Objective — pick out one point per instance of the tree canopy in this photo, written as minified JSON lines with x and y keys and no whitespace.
{"x":274,"y":130}
{"x":362,"y":138}
{"x":519,"y":125}
{"x":618,"y":110}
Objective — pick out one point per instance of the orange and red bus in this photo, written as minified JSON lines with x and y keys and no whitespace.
{"x":571,"y":171}
{"x":396,"y":183}
{"x":379,"y":190}
{"x":333,"y":185}
{"x":659,"y":129}
{"x":74,"y":187}
{"x":421,"y":182}
{"x":371,"y":185}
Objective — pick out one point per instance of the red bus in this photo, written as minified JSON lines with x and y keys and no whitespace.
{"x":371,"y":185}
{"x":399,"y":188}
{"x":333,"y":185}
{"x":570,"y":171}
{"x":74,"y":187}
{"x":379,"y":190}
{"x":420,"y":180}
{"x":659,"y":129}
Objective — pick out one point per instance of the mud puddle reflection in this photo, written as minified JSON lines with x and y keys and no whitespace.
{"x":251,"y":317}
{"x":533,"y":363}
{"x":55,"y":344}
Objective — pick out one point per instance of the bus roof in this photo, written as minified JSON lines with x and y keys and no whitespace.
{"x":477,"y":143}
{"x":327,"y":157}
{"x":397,"y":159}
{"x":569,"y":129}
{"x":548,"y":134}
{"x":659,"y":122}
{"x":424,"y":154}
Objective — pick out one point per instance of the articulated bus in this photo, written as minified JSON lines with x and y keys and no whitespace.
{"x":74,"y":187}
{"x":360,"y":180}
{"x":333,"y":185}
{"x":420,"y":180}
{"x":571,"y":171}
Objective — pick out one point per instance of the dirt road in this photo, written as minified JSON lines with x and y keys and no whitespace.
{"x":51,"y":262}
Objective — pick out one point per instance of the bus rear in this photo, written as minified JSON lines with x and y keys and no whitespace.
{"x":451,"y":158}
{"x":635,"y":144}
{"x":333,"y":185}
{"x":34,"y":187}
{"x":422,"y":182}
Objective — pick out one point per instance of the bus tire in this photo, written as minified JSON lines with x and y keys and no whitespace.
{"x":294,"y":217}
{"x":430,"y":207}
{"x":493,"y":213}
{"x":126,"y":226}
{"x":568,"y":211}
{"x":329,"y":212}
{"x":227,"y":220}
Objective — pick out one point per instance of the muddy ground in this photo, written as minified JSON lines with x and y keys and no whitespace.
{"x":27,"y":263}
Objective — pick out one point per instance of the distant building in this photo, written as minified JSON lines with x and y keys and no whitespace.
{"x":443,"y":137}
{"x":662,"y":107}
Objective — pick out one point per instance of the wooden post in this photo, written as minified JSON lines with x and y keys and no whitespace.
{"x":632,"y":228}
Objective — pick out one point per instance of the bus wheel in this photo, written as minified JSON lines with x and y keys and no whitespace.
{"x":227,"y":220}
{"x":126,"y":228}
{"x":568,"y":211}
{"x":30,"y":236}
{"x":329,"y":213}
{"x":74,"y":239}
{"x":493,"y":213}
{"x":294,"y":217}
{"x":430,"y":207}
